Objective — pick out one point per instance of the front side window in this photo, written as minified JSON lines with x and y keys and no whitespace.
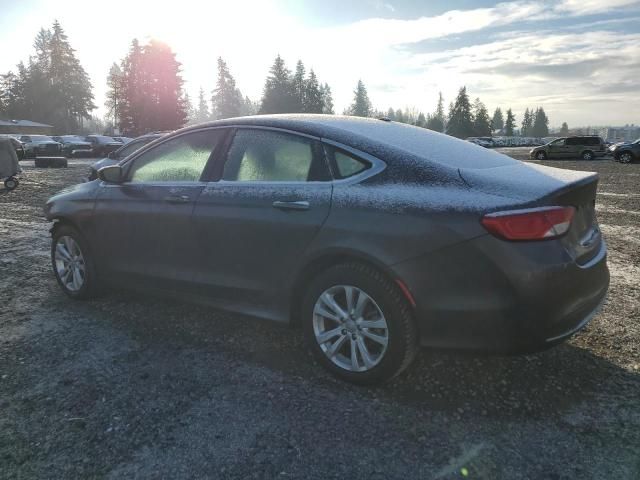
{"x":131,"y":147}
{"x":558,"y":143}
{"x":181,"y":159}
{"x":267,"y":156}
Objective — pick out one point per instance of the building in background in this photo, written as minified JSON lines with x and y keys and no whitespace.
{"x":25,"y":127}
{"x":628,"y":133}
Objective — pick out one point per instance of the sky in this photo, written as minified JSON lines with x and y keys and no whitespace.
{"x":579,"y":59}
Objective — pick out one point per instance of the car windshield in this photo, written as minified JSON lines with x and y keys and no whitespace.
{"x":72,"y":138}
{"x":41,"y":138}
{"x":559,"y":141}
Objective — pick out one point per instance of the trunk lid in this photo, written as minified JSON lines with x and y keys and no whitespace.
{"x":537,"y":185}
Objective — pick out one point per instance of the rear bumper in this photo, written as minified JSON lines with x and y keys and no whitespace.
{"x":513,"y":298}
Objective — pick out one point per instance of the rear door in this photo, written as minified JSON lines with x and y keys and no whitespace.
{"x":144,"y":227}
{"x":574,"y":146}
{"x":254,"y":223}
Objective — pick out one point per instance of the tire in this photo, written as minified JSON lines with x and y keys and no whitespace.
{"x":541,"y":155}
{"x":11,"y":183}
{"x":587,"y":155}
{"x":88,"y":287}
{"x":625,"y":157}
{"x":384,"y":303}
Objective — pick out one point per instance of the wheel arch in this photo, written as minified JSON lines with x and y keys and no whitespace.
{"x":322,"y":261}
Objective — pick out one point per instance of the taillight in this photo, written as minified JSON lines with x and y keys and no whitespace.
{"x":531,"y":224}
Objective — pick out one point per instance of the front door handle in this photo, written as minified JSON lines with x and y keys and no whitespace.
{"x":177,"y":199}
{"x":296,"y":205}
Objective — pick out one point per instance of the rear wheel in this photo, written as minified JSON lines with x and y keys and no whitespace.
{"x":625,"y":157}
{"x":72,"y":263}
{"x":358,"y":324}
{"x":587,"y":155}
{"x":541,"y":156}
{"x":11,"y":183}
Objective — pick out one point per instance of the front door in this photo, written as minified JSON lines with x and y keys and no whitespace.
{"x":255,"y":223}
{"x":558,"y":149}
{"x":144,"y":225}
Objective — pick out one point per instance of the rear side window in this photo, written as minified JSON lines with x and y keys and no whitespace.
{"x":268,"y":156}
{"x":344,"y":164}
{"x":573,"y":141}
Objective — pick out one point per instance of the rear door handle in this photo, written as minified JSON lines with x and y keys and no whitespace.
{"x":177,"y":199}
{"x":296,"y":205}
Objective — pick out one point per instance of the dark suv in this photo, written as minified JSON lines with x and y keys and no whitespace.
{"x":586,"y":148}
{"x":626,"y":152}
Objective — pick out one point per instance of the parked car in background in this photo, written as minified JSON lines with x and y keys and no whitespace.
{"x":122,"y":139}
{"x":40,"y":146}
{"x":102,"y":145}
{"x":626,"y":152}
{"x":584,"y":147}
{"x":123,"y":152}
{"x":74,"y":145}
{"x":375,"y":237}
{"x":486,"y":142}
{"x":17,"y":145}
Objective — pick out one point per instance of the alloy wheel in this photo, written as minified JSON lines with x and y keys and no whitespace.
{"x":625,"y":158}
{"x":587,"y":156}
{"x":541,"y":156}
{"x":70,"y":264}
{"x":350,"y":328}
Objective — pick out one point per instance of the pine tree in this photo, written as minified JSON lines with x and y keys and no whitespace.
{"x":391,"y":114}
{"x":226,"y":99}
{"x":299,"y":87}
{"x":248,"y":107}
{"x":400,"y":116}
{"x":421,"y":121}
{"x":436,"y":121}
{"x":188,"y":106}
{"x":313,"y":101}
{"x":361,"y":106}
{"x":201,"y":111}
{"x":510,"y":124}
{"x":460,"y":122}
{"x":564,"y":130}
{"x":497,"y":122}
{"x":278,"y":95}
{"x":115,"y":94}
{"x":540,"y":124}
{"x":327,"y":99}
{"x":527,"y":124}
{"x":481,"y":120}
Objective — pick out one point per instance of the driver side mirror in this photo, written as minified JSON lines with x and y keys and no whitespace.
{"x":111,"y":174}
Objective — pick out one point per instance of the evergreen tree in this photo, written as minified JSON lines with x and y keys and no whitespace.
{"x":510,"y":124}
{"x":540,"y":124}
{"x":497,"y":122}
{"x":115,"y":94}
{"x":460,"y":122}
{"x":191,"y":111}
{"x":361,"y":106}
{"x":400,"y":116}
{"x":327,"y":99}
{"x":527,"y":124}
{"x":313,"y":101}
{"x":481,"y":120}
{"x":201,"y":111}
{"x":278,"y":96}
{"x":436,"y":121}
{"x":152,"y":87}
{"x":421,"y":121}
{"x":226,"y":100}
{"x":299,"y":87}
{"x":564,"y":130}
{"x":391,"y":114}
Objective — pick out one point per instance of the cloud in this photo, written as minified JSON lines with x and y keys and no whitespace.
{"x":585,"y":7}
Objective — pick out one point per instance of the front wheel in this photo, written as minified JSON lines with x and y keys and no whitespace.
{"x":625,"y":157}
{"x":358,"y":324}
{"x":541,"y":156}
{"x":72,"y":263}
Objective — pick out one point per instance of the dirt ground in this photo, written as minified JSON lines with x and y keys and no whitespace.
{"x":136,"y":386}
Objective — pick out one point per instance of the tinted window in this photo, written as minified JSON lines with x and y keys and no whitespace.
{"x":573,"y":141}
{"x":346,"y":165}
{"x":181,"y":159}
{"x":266,"y":156}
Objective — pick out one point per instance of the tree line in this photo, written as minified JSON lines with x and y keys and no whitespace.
{"x":146,"y":93}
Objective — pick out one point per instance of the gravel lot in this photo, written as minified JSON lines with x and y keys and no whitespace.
{"x":131,"y":386}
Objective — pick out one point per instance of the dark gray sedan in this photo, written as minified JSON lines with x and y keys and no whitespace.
{"x":375,"y":237}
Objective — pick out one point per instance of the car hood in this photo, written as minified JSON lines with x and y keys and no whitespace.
{"x":525,"y":182}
